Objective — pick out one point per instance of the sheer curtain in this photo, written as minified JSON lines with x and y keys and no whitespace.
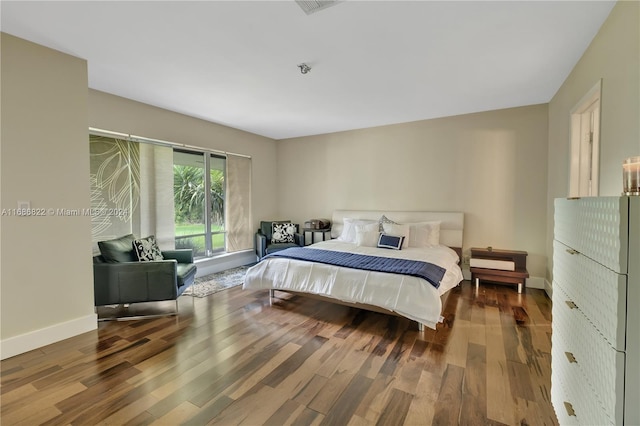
{"x":131,"y":190}
{"x":115,"y":187}
{"x":156,"y":194}
{"x":238,"y":204}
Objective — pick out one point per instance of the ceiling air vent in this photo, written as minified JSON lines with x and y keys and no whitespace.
{"x":312,"y":6}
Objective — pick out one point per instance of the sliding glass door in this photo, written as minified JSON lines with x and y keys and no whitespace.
{"x":199,"y":201}
{"x":186,"y":196}
{"x":217,"y":170}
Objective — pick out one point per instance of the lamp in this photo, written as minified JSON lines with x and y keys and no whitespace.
{"x":631,"y":176}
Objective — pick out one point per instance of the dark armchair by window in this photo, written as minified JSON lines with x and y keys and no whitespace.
{"x":277,"y":235}
{"x":119,"y":278}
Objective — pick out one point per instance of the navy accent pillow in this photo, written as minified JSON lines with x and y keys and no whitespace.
{"x":390,"y":241}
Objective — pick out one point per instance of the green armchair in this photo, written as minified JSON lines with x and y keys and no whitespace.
{"x":119,"y":278}
{"x":265,"y":243}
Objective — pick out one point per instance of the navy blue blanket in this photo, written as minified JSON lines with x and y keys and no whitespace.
{"x":428,"y":271}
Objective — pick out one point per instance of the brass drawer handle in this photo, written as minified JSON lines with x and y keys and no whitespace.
{"x":569,"y":408}
{"x":570,"y":304}
{"x":572,"y":251}
{"x":571,"y":358}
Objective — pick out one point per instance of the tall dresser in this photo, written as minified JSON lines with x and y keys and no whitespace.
{"x":595,"y":364}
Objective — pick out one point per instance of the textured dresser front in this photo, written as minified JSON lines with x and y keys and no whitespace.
{"x":594,"y":344}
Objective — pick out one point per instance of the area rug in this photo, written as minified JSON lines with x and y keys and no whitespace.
{"x":214,"y":283}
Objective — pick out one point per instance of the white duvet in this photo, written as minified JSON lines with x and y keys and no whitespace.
{"x":411,"y":297}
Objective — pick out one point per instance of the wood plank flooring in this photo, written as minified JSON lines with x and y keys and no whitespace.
{"x":231,"y":358}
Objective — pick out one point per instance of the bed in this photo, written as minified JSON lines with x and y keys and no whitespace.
{"x":437,"y":240}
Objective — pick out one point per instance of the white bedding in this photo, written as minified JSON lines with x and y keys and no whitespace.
{"x":411,"y":297}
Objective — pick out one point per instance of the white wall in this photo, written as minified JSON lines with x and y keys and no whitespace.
{"x":46,"y":275}
{"x":490,"y":165}
{"x":614,"y":57}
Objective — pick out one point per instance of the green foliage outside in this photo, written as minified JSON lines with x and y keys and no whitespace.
{"x":189,"y":195}
{"x":189,"y":198}
{"x":198,"y":243}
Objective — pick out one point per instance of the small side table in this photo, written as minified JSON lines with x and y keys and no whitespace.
{"x":321,"y":233}
{"x":517,"y":276}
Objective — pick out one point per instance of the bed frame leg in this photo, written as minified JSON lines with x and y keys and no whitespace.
{"x":272,"y":294}
{"x":420,"y":327}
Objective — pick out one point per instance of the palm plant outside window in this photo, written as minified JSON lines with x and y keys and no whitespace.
{"x":199,"y":201}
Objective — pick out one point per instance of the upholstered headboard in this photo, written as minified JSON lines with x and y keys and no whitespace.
{"x":451,"y":223}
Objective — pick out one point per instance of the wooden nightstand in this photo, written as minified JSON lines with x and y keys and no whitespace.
{"x":512,"y":266}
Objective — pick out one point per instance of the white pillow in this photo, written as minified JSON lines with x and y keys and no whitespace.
{"x":398,"y":231}
{"x":424,"y":234}
{"x":384,"y":219}
{"x":367,"y":235}
{"x":348,"y":234}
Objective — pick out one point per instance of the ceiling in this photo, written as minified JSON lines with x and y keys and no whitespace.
{"x":373,"y":62}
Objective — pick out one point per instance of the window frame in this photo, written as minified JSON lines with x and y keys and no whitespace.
{"x":208,"y":234}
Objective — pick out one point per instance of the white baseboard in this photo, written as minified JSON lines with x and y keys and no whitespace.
{"x":224,"y":261}
{"x":45,"y":336}
{"x":535,"y":282}
{"x":548,"y":288}
{"x":466,"y":273}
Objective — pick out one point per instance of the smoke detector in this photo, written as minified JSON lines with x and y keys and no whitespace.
{"x":304,"y":68}
{"x":312,"y":6}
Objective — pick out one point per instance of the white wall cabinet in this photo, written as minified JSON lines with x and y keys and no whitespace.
{"x":595,"y":366}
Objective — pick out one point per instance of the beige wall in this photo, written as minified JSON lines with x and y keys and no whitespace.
{"x":46,"y":109}
{"x":490,"y":165}
{"x":46,"y":276}
{"x":613,"y":56}
{"x":109,"y":112}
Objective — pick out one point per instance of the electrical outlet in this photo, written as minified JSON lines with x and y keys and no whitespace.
{"x":466,"y":260}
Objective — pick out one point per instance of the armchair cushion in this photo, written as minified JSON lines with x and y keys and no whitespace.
{"x":272,"y":248}
{"x":186,"y":272}
{"x":282,"y":232}
{"x":147,"y":249}
{"x":118,"y":250}
{"x":266,"y":228}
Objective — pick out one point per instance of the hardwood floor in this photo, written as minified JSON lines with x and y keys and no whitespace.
{"x":231,"y":358}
